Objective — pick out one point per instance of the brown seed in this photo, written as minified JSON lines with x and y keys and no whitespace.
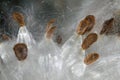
{"x":107,"y":26}
{"x":50,"y":32}
{"x":59,"y":39}
{"x":5,"y":37}
{"x":21,"y":51}
{"x":82,"y":27}
{"x":86,"y":25}
{"x":50,"y":28}
{"x":19,"y":18}
{"x":50,"y":24}
{"x":91,"y":22}
{"x":89,"y":40}
{"x":91,"y":58}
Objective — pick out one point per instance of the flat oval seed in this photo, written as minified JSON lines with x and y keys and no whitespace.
{"x":89,"y":40}
{"x":107,"y":26}
{"x":91,"y":58}
{"x":19,"y":18}
{"x":82,"y":27}
{"x":59,"y":39}
{"x":21,"y":51}
{"x":5,"y":37}
{"x":50,"y":32}
{"x":86,"y":25}
{"x":91,"y":22}
{"x":50,"y":24}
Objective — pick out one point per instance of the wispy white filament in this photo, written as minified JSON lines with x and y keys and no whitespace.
{"x":25,"y":37}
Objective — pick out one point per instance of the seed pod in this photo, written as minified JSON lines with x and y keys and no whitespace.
{"x":107,"y":26}
{"x":59,"y":39}
{"x":86,"y":25}
{"x":91,"y":58}
{"x":19,"y":18}
{"x":21,"y":51}
{"x":89,"y":40}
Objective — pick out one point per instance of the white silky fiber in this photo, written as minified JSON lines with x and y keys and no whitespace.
{"x":48,"y":60}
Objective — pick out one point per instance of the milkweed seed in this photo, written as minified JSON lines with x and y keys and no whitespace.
{"x":19,"y":18}
{"x":59,"y":39}
{"x":107,"y":26}
{"x":86,"y":25}
{"x":21,"y":51}
{"x":89,"y":40}
{"x":91,"y":58}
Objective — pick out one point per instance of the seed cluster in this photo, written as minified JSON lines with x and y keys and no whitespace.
{"x":85,"y":26}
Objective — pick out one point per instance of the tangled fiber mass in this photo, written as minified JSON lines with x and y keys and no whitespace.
{"x":91,"y":52}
